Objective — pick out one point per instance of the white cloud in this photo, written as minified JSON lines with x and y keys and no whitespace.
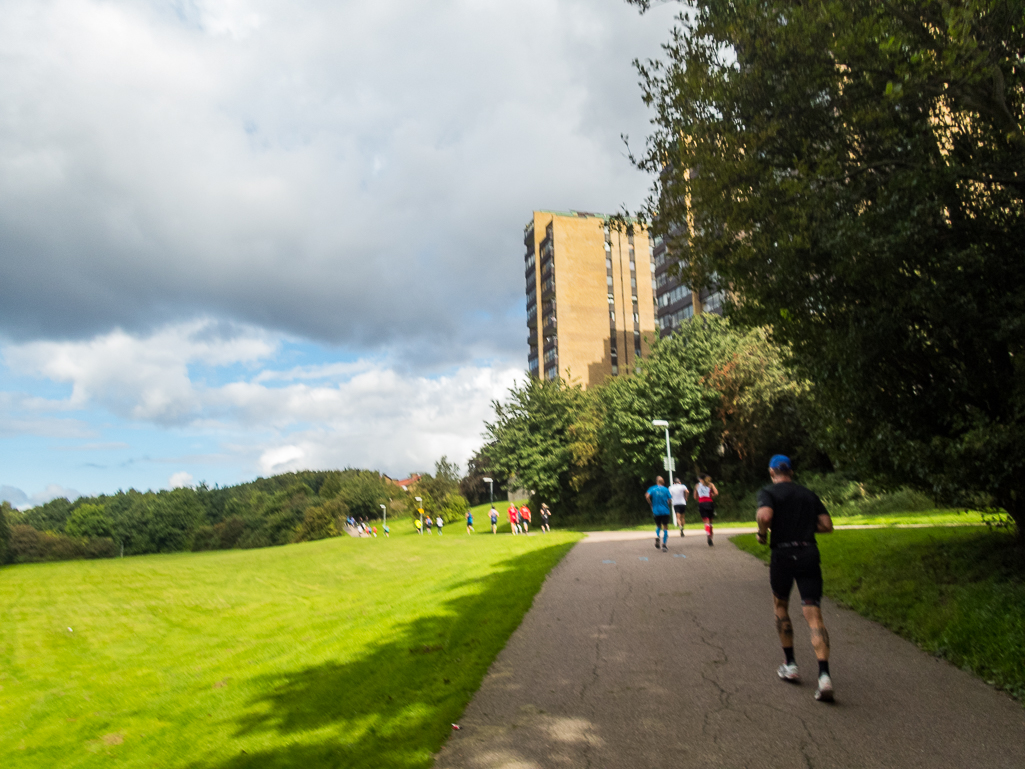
{"x":366,"y":413}
{"x":350,"y":172}
{"x":180,"y":480}
{"x":141,"y":377}
{"x":22,"y":501}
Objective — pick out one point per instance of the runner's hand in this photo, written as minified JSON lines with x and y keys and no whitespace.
{"x":762,"y":538}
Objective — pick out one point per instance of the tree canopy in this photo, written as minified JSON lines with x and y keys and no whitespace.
{"x":854,"y":173}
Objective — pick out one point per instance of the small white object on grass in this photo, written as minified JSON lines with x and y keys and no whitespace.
{"x":70,"y":630}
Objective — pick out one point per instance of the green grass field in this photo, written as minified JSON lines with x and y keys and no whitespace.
{"x":957,"y":592}
{"x":339,"y":653}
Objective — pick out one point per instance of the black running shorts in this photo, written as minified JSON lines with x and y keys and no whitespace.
{"x":800,"y":565}
{"x":707,"y":509}
{"x":679,"y":509}
{"x":662,"y":520}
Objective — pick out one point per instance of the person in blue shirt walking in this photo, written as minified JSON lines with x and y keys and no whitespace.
{"x":661,"y":502}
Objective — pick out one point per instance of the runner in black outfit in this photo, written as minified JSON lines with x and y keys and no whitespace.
{"x":795,"y":515}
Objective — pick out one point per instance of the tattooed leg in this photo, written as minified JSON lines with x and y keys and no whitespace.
{"x":784,"y":627}
{"x":819,"y":634}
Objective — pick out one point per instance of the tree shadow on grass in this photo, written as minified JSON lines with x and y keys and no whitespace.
{"x":394,"y":706}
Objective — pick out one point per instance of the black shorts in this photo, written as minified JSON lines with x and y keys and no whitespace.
{"x":707,"y":509}
{"x":679,"y":509}
{"x":796,"y":564}
{"x":544,"y":520}
{"x":662,"y":520}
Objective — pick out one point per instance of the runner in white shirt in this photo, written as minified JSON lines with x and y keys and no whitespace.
{"x":679,"y":493}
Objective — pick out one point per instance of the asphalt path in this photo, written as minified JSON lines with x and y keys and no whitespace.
{"x":631,"y":657}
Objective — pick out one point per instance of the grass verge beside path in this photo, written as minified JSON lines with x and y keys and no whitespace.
{"x":344,"y":652}
{"x":958,"y":593}
{"x":927,"y":518}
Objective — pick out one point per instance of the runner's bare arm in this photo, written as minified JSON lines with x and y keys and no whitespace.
{"x":764,"y":518}
{"x":648,"y":497}
{"x":825,"y":524}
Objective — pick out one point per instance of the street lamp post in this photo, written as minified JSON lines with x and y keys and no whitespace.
{"x":385,"y":509}
{"x":420,"y":509}
{"x":669,"y":454}
{"x":491,"y":490}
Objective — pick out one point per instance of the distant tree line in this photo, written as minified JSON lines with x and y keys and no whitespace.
{"x":287,"y":508}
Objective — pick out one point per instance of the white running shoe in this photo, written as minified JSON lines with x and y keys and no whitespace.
{"x":789,"y":672}
{"x":825,"y":691}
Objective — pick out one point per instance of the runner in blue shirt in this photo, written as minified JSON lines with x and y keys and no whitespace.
{"x":661,"y":502}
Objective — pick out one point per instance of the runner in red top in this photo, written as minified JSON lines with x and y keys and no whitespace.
{"x":525,"y":518}
{"x":514,"y":519}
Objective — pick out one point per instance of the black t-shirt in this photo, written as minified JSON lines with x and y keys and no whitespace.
{"x":795,"y":512}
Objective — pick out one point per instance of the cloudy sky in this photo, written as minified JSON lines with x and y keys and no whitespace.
{"x":239,"y":237}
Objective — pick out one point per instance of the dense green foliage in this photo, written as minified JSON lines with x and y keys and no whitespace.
{"x":343,"y":652}
{"x":591,"y":453}
{"x":956,"y":592}
{"x":293,"y":507}
{"x":854,"y":172}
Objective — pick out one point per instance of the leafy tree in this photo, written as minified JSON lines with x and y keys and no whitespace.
{"x":321,"y":521}
{"x":532,"y":437}
{"x":50,"y":516}
{"x":89,"y":520}
{"x":5,"y":529}
{"x":855,"y":173}
{"x":472,"y":485}
{"x":362,"y":491}
{"x":454,"y":507}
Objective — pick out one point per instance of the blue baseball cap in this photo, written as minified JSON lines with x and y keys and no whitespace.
{"x":779,"y":461}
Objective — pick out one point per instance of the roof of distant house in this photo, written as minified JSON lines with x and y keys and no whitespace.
{"x":405,"y":483}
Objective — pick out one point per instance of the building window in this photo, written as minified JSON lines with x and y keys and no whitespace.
{"x":615,"y":370}
{"x":651,"y":266}
{"x":609,"y":279}
{"x":608,"y":246}
{"x":674,"y":296}
{"x":637,"y":318}
{"x":633,"y":284}
{"x":633,"y":266}
{"x":674,"y":319}
{"x":608,"y":263}
{"x":612,"y":299}
{"x":714,"y":301}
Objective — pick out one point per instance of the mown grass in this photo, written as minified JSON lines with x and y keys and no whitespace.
{"x":339,"y":653}
{"x":958,"y":592}
{"x":927,"y":518}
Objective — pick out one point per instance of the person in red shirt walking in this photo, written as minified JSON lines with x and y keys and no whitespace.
{"x":525,"y":518}
{"x":514,"y":519}
{"x":706,"y":492}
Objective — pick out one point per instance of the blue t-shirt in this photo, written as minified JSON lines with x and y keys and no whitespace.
{"x":661,"y":500}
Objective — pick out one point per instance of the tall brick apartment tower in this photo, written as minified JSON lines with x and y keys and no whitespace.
{"x":590,"y":296}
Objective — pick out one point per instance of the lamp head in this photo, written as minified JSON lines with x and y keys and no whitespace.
{"x":487,"y":480}
{"x":659,"y":423}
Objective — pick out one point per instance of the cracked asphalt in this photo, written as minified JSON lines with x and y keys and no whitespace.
{"x":631,"y":657}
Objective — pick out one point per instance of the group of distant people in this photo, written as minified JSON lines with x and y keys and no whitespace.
{"x":519,"y":520}
{"x":794,"y":515}
{"x":665,"y":502}
{"x":426,"y":525}
{"x":360,"y":527}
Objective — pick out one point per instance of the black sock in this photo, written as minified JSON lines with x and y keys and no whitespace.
{"x":824,"y":667}
{"x":788,"y":652}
